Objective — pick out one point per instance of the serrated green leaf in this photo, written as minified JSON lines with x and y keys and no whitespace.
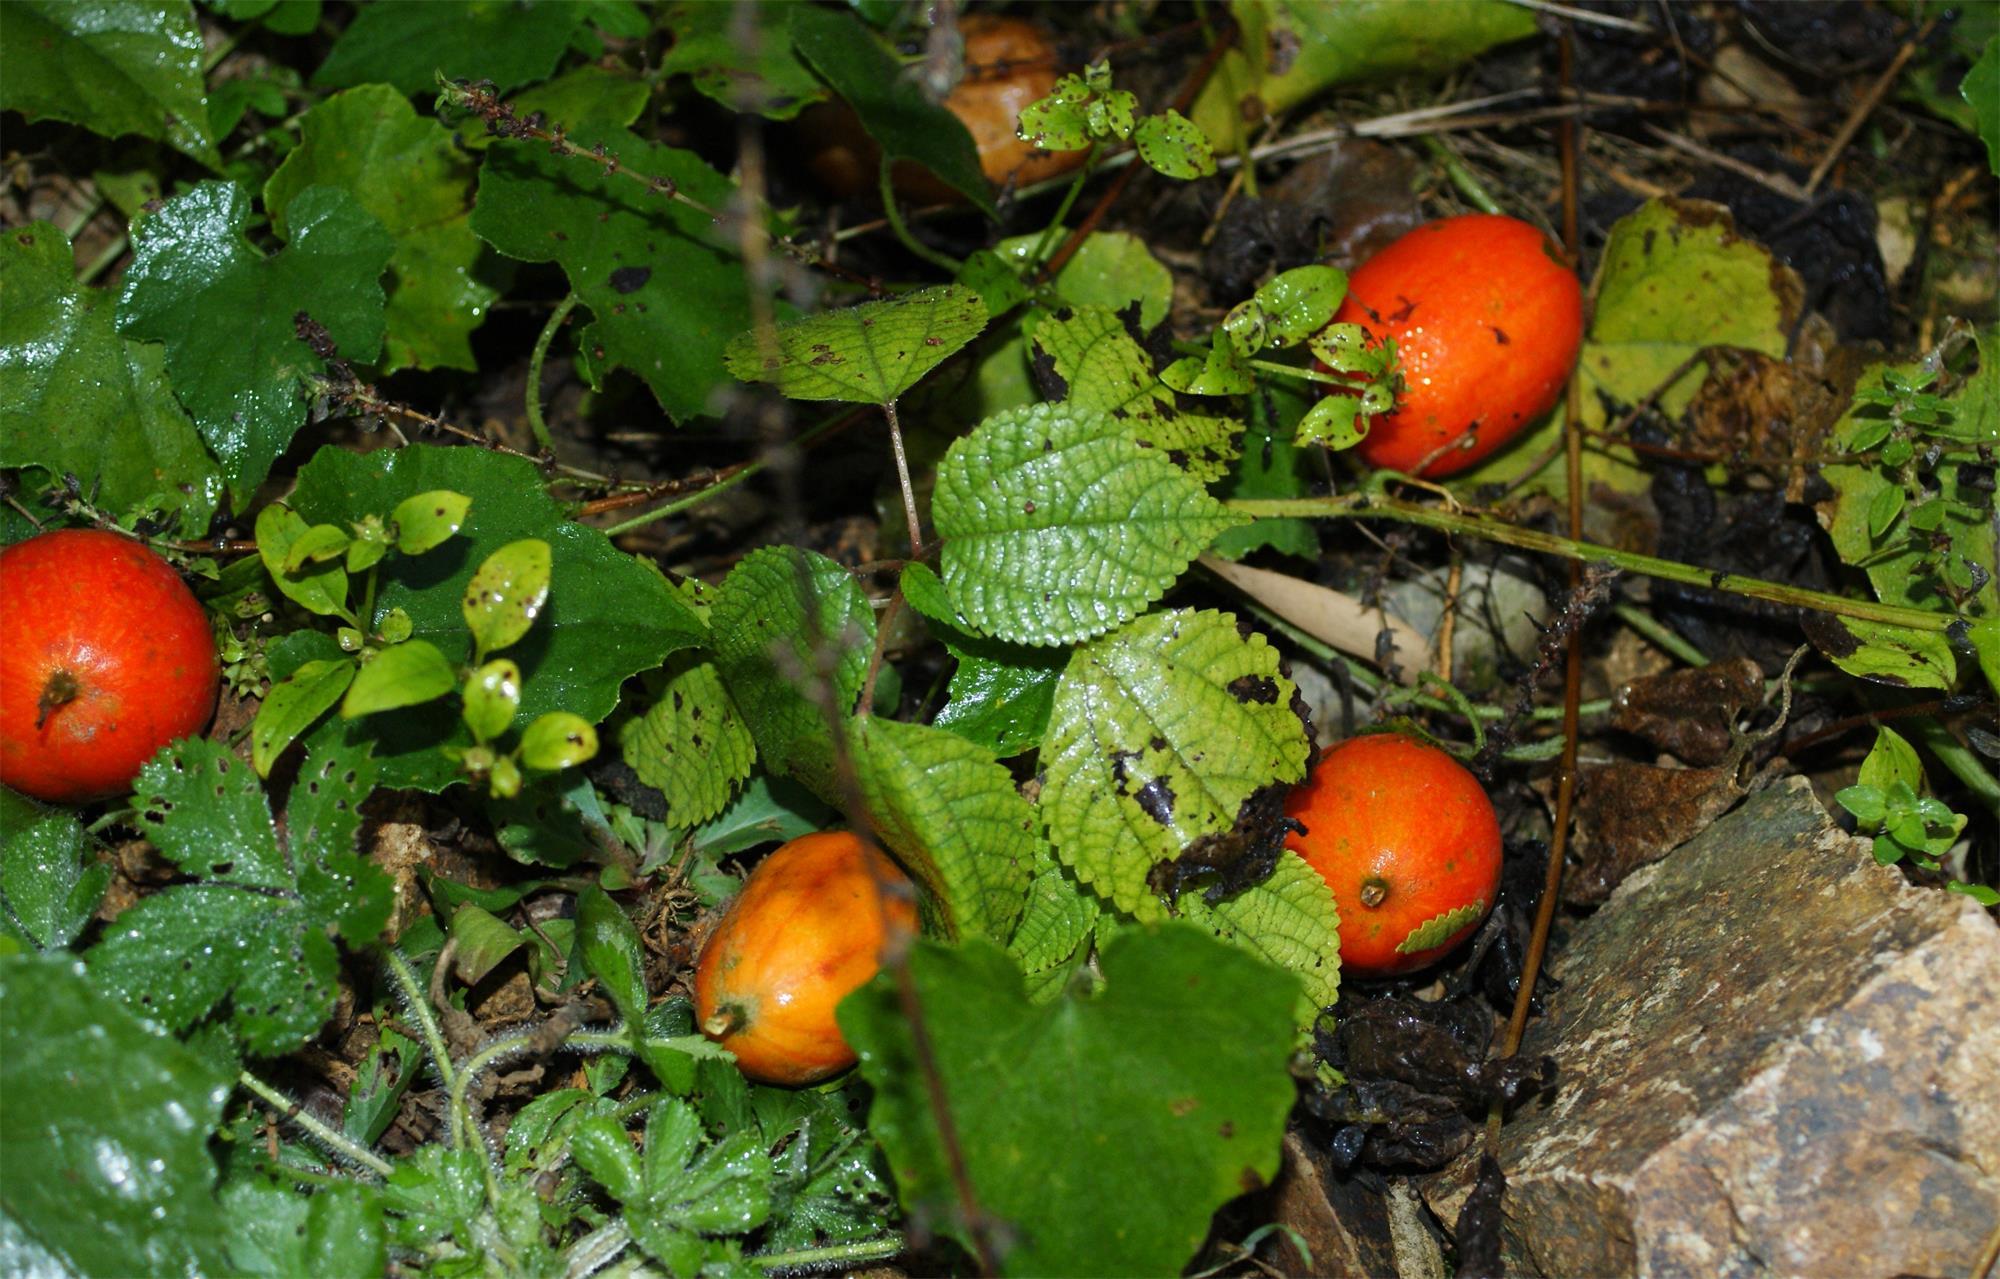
{"x":62,"y":363}
{"x":409,"y":43}
{"x":242,"y":379}
{"x":408,"y":173}
{"x":1057,"y":526}
{"x":1106,"y":371}
{"x":557,"y":740}
{"x":760,"y":73}
{"x":951,"y":814}
{"x":1170,"y":144}
{"x":1290,"y":920}
{"x":894,"y":108}
{"x":1161,"y":731}
{"x":610,"y":945}
{"x":1439,"y":929}
{"x":792,"y":633}
{"x":506,"y":594}
{"x":253,"y":927}
{"x":115,"y":67}
{"x":293,"y":705}
{"x":50,"y":884}
{"x":1190,"y":1116}
{"x":1057,"y":919}
{"x":105,"y":1129}
{"x":492,"y":696}
{"x":1892,"y":655}
{"x":869,"y":353}
{"x":691,"y":745}
{"x":608,"y":615}
{"x":673,"y":1197}
{"x":661,"y":280}
{"x":407,"y":674}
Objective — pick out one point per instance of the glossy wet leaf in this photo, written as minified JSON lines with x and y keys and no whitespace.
{"x":1160,"y":732}
{"x":318,"y":544}
{"x":691,"y":744}
{"x":792,"y":633}
{"x":241,"y":380}
{"x":492,"y":696}
{"x":317,"y":587}
{"x":610,"y":945}
{"x":50,"y":881}
{"x":106,"y":1129}
{"x":408,"y":172}
{"x":683,"y":1188}
{"x":951,"y":814}
{"x":1891,"y":655}
{"x":336,"y":1233}
{"x":557,"y":740}
{"x":507,"y":592}
{"x":254,"y":926}
{"x":869,"y":353}
{"x":124,"y":436}
{"x":116,"y":67}
{"x":1293,"y":305}
{"x":1170,"y":143}
{"x":407,"y":674}
{"x":1190,"y":1117}
{"x":409,"y":43}
{"x":1058,"y":526}
{"x":293,"y":705}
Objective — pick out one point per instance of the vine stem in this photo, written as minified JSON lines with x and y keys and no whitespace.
{"x":334,"y":1140}
{"x":534,"y":405}
{"x":416,"y":1001}
{"x":732,"y":477}
{"x":902,"y":232}
{"x":1369,"y":506}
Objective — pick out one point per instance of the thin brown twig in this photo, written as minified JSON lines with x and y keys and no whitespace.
{"x":1866,"y":107}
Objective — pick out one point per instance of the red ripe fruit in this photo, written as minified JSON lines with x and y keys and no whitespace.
{"x":1487,"y":322}
{"x":105,"y":656}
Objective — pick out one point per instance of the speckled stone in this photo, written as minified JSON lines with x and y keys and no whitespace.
{"x":1775,"y":1058}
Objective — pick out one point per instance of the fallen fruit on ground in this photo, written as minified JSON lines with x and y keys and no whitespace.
{"x":1409,"y":843}
{"x":1487,"y":322}
{"x":807,"y":928}
{"x":105,"y":656}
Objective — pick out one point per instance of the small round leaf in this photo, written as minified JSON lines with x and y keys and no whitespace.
{"x":426,"y":520}
{"x":492,"y":696}
{"x":504,"y":596}
{"x":558,"y":740}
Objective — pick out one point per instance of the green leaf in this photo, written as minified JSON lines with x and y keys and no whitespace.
{"x":122,"y":434}
{"x":409,"y":43}
{"x":1057,"y":919}
{"x":1060,"y":121}
{"x":1057,"y":526}
{"x":254,"y":926}
{"x":241,"y":379}
{"x":1292,"y":305}
{"x":426,"y":521}
{"x":106,"y":1129}
{"x":952,"y":815}
{"x":1334,"y":423}
{"x":608,"y":615}
{"x":1981,"y":90}
{"x":1170,"y":144}
{"x":766,"y":812}
{"x":1221,"y":372}
{"x":1161,"y":731}
{"x":50,"y":884}
{"x":293,"y":705}
{"x":408,"y":173}
{"x":483,"y":938}
{"x":1290,"y":920}
{"x":760,"y":73}
{"x":691,"y":745}
{"x":1890,"y":760}
{"x":113,"y":66}
{"x":1189,"y":1117}
{"x":1890,"y":655}
{"x":1883,"y":509}
{"x":1985,"y":637}
{"x":662,"y":281}
{"x":408,"y":674}
{"x":674,"y":1197}
{"x":869,"y":353}
{"x":319,"y":588}
{"x":1439,"y":929}
{"x":557,"y":740}
{"x":381,"y":1079}
{"x":316,"y":545}
{"x":610,"y":946}
{"x":1865,"y":802}
{"x":893,"y":106}
{"x":506,"y":594}
{"x":792,"y":634}
{"x":492,"y":696}
{"x":1111,"y":269}
{"x":1106,"y":371}
{"x":1000,"y":694}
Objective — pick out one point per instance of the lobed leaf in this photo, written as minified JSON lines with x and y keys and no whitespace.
{"x":869,"y":353}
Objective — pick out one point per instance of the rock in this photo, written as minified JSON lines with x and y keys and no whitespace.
{"x":1774,"y":1056}
{"x":1344,"y":1222}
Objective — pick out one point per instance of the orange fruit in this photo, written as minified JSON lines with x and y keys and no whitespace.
{"x":807,"y":928}
{"x":1409,"y":843}
{"x":1487,"y":321}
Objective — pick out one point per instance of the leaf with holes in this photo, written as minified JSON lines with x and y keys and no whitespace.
{"x":243,"y":380}
{"x":1161,"y":731}
{"x":124,"y":436}
{"x":254,"y":927}
{"x":792,"y":636}
{"x":1170,"y":1084}
{"x":691,"y":745}
{"x":951,"y":814}
{"x":1057,"y":526}
{"x":869,"y":353}
{"x":1106,"y":371}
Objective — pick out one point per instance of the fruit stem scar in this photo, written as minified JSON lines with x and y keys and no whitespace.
{"x":60,"y":690}
{"x":1374,"y":891}
{"x":725,"y":1021}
